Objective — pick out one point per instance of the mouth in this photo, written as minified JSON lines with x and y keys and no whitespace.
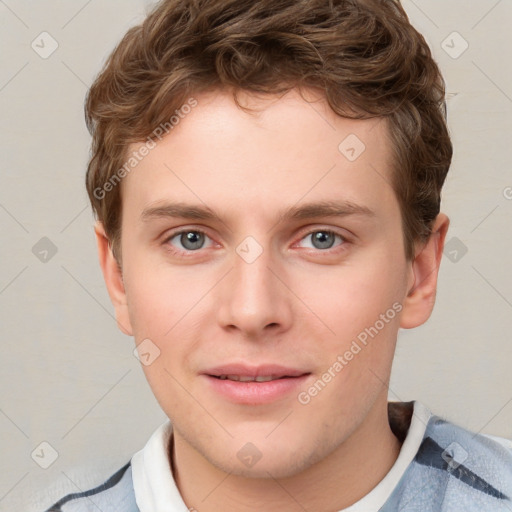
{"x":247,"y":378}
{"x":247,"y":372}
{"x":257,"y":385}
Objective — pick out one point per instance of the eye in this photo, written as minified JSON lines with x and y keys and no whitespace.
{"x":190,"y":240}
{"x":323,"y":239}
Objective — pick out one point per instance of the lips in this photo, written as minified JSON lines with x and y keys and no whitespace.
{"x":255,"y":385}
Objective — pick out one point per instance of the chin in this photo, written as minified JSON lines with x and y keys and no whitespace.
{"x":262,"y":459}
{"x":276,"y":466}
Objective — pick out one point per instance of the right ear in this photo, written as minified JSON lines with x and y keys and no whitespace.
{"x":113,"y":279}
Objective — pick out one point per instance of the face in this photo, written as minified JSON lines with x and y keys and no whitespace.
{"x":267,"y":246}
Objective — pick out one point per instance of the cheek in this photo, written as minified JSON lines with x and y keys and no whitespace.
{"x":352,"y":298}
{"x":361,"y":306}
{"x":157,"y":298}
{"x":356,"y":365}
{"x":150,"y":309}
{"x":164,"y":307}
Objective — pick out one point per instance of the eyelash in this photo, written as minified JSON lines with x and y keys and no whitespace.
{"x":190,"y":253}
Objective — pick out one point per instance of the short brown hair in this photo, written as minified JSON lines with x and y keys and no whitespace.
{"x":363,"y":55}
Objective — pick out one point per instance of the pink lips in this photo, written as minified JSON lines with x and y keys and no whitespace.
{"x":242,"y":389}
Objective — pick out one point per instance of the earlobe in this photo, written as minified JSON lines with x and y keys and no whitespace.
{"x":419,"y":302}
{"x":113,"y":277}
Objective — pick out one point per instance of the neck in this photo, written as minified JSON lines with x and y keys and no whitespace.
{"x":350,"y":472}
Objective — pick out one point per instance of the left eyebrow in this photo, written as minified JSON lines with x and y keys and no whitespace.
{"x":298,"y":212}
{"x":326,"y":209}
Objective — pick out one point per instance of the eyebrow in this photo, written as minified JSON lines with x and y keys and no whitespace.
{"x":297,"y":212}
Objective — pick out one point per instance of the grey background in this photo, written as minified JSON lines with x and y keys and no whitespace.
{"x":69,"y":377}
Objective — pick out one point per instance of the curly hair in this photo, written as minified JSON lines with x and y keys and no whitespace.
{"x":363,"y":55}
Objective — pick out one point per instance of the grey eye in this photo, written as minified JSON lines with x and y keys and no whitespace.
{"x":323,"y":239}
{"x":191,"y":240}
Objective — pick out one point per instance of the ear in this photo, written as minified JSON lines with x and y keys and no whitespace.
{"x":419,"y":303}
{"x":113,"y":276}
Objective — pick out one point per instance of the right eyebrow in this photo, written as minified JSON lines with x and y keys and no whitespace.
{"x":178,"y":210}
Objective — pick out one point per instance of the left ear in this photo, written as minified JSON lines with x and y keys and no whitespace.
{"x":419,"y":303}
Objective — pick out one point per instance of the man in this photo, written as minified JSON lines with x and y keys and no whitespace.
{"x":267,"y":178}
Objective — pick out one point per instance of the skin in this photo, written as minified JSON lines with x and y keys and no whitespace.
{"x":297,"y":305}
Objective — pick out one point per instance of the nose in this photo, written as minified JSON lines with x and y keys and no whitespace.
{"x":254,"y":298}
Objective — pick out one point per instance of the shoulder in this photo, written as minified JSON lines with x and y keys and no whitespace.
{"x":450,"y":468}
{"x":115,"y":494}
{"x":470,"y":469}
{"x":488,"y":454}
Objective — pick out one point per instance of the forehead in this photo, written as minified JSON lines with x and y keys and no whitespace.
{"x":290,"y":150}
